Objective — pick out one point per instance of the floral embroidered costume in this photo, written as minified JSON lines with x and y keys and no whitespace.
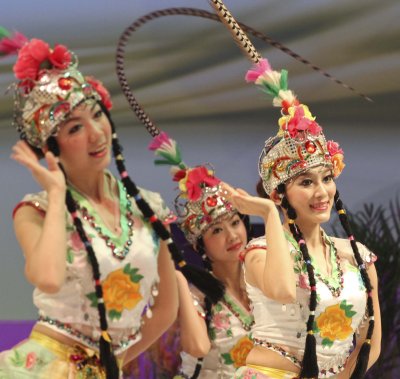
{"x":129,"y":284}
{"x":111,"y":276}
{"x":318,"y":331}
{"x":231,"y":340}
{"x":339,"y":313}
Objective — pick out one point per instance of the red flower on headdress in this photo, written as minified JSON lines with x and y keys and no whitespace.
{"x":37,"y":55}
{"x":60,"y":57}
{"x":336,"y":154}
{"x":180,"y":174}
{"x":299,"y":118}
{"x":30,"y":58}
{"x":101,"y":90}
{"x":198,"y":178}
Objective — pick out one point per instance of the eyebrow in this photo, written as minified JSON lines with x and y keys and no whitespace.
{"x":308,"y":173}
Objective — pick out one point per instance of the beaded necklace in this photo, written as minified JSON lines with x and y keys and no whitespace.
{"x":245,"y":319}
{"x":337,"y":272}
{"x":111,"y":241}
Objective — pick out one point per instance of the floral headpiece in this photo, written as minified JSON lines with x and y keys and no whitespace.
{"x":49,"y":86}
{"x":198,"y":205}
{"x":300,"y":143}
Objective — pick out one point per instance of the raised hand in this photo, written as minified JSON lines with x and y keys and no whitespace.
{"x":246,"y":203}
{"x":51,"y":179}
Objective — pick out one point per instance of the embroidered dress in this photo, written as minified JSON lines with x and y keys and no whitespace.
{"x":129,"y":276}
{"x":231,"y":341}
{"x":340,"y":311}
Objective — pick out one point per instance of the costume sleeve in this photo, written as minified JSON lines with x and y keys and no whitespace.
{"x":158,"y":205}
{"x":256,"y":243}
{"x":198,"y":301}
{"x":367,"y":255}
{"x":37,"y":200}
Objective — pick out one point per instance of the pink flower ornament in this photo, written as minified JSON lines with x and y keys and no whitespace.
{"x":221,"y":321}
{"x":258,"y":70}
{"x":30,"y":361}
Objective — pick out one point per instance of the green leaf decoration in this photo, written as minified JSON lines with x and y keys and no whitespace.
{"x":347,"y":309}
{"x":211,"y":333}
{"x":114,"y":315}
{"x":270,"y":89}
{"x":217,"y":307}
{"x":229,"y":332}
{"x":284,"y":80}
{"x":136,"y":278}
{"x":227,"y":359}
{"x":70,"y":228}
{"x":169,"y":158}
{"x":17,"y":360}
{"x":326,"y":342}
{"x":70,"y":255}
{"x":127,"y":269}
{"x":93,"y":298}
{"x":132,"y":273}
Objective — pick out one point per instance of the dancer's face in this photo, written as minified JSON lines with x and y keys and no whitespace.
{"x":311,"y":194}
{"x":226,"y":239}
{"x":84,"y":139}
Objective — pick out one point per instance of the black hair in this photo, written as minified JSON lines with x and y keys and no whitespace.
{"x":309,"y":367}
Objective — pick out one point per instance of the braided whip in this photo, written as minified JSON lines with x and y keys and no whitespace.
{"x":247,"y":47}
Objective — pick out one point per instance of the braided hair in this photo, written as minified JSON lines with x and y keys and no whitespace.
{"x":107,"y":357}
{"x":309,"y":367}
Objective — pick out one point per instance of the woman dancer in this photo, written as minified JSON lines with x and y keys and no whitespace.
{"x":105,"y":285}
{"x":215,"y":332}
{"x":317,"y":312}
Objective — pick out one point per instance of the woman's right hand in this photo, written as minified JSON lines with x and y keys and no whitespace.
{"x":246,"y":203}
{"x":51,"y":179}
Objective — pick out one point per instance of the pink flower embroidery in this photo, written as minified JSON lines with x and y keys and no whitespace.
{"x":303,"y":282}
{"x":76,"y":242}
{"x":257,"y":70}
{"x":30,"y":361}
{"x":221,"y":321}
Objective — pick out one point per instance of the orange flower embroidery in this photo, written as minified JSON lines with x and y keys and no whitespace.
{"x":240,"y":351}
{"x":335,"y":323}
{"x":121,"y":290}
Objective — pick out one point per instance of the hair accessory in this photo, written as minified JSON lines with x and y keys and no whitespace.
{"x":198,"y":204}
{"x":49,"y":86}
{"x":299,"y":144}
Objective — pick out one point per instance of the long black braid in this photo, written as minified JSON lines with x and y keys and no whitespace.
{"x":205,"y":282}
{"x":107,"y":357}
{"x":309,"y":366}
{"x":363,"y":356}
